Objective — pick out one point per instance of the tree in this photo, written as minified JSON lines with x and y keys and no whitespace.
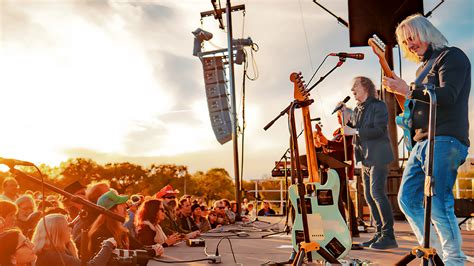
{"x":85,"y":170}
{"x":124,"y":177}
{"x":215,"y":184}
{"x":159,"y":176}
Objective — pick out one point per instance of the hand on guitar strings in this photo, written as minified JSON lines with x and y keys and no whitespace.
{"x":395,"y":85}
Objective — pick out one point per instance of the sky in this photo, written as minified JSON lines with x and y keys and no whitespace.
{"x":116,"y":81}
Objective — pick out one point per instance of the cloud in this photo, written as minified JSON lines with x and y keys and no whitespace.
{"x":115,"y":80}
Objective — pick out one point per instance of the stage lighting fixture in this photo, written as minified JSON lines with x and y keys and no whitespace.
{"x":200,"y":36}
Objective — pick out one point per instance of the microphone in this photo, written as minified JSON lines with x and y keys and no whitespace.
{"x":357,"y":56}
{"x":339,"y":106}
{"x":12,"y":162}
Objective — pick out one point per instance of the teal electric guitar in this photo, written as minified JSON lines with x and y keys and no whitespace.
{"x":404,"y":120}
{"x":325,"y":222}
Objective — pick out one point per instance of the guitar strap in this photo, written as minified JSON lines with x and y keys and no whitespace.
{"x":419,"y":80}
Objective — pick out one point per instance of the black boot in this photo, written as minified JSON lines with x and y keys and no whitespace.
{"x":372,"y":240}
{"x":387,"y":241}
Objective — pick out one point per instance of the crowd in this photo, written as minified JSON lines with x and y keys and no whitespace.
{"x":46,"y":230}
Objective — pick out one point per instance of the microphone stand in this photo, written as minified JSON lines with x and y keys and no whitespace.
{"x":257,"y":198}
{"x":341,"y":61}
{"x":287,"y":228}
{"x":427,"y":253}
{"x":84,"y":236}
{"x":355,"y":246}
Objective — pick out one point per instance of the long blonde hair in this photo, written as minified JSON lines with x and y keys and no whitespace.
{"x":59,"y":237}
{"x":418,"y":27}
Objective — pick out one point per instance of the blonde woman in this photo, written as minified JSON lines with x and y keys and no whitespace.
{"x":55,"y":246}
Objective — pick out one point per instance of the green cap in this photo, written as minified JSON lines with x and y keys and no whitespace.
{"x":110,"y":199}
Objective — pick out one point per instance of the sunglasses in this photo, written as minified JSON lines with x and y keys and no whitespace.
{"x":170,"y":197}
{"x":221,"y":208}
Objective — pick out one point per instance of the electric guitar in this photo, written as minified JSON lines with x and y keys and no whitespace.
{"x":403,"y":120}
{"x":325,"y":222}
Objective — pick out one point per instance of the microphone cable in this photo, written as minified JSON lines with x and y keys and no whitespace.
{"x":231,"y":248}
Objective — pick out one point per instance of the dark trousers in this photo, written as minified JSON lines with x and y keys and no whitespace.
{"x":374,"y":178}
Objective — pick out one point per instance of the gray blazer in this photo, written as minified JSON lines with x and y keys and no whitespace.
{"x":372,"y":144}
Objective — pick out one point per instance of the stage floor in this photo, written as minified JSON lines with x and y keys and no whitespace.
{"x":250,"y":249}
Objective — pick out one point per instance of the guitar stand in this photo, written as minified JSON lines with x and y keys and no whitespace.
{"x":305,"y":247}
{"x":427,"y":253}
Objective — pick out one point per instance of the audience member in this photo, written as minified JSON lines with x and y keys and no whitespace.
{"x":228,"y":211}
{"x":168,"y":194}
{"x":201,"y":222}
{"x":8,"y":212}
{"x":73,"y":208}
{"x":266,"y":209}
{"x":219,"y":208}
{"x":93,"y":192}
{"x":212,"y":218}
{"x":10,"y":189}
{"x":54,"y":245}
{"x":105,"y":227}
{"x":26,"y":217}
{"x":185,"y":221}
{"x":134,"y":203}
{"x":147,"y":222}
{"x":16,"y":249}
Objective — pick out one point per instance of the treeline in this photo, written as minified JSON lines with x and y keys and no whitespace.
{"x":129,"y":178}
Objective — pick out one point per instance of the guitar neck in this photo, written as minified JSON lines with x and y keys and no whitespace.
{"x":310,"y":149}
{"x":301,"y":95}
{"x":389,"y":73}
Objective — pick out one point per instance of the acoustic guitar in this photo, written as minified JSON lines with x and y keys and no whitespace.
{"x":326,"y":224}
{"x":405,"y":119}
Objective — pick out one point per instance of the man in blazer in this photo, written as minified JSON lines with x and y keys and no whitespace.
{"x":372,"y":147}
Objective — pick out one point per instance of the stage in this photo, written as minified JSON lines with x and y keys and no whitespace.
{"x":250,"y":249}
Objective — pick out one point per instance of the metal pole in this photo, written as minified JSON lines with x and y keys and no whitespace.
{"x":230,"y":52}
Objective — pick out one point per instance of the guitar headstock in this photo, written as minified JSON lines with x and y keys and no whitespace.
{"x":300,"y":93}
{"x":318,"y":128}
{"x":378,"y":46}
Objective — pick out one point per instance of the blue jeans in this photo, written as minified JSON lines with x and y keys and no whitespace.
{"x":375,"y":194}
{"x":449,"y":154}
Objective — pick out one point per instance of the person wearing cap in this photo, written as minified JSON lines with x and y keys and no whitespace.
{"x":168,"y":195}
{"x":105,"y":227}
{"x":93,"y":192}
{"x":76,"y":189}
{"x":201,"y":222}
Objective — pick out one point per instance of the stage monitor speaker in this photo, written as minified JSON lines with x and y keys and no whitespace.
{"x":217,"y":98}
{"x":368,"y":17}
